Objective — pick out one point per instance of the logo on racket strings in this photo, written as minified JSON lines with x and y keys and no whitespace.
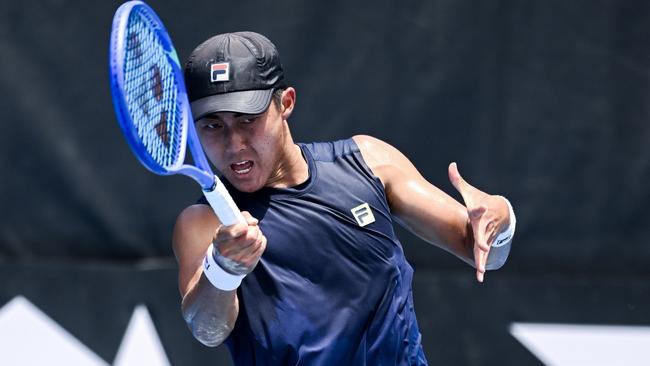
{"x":220,"y":72}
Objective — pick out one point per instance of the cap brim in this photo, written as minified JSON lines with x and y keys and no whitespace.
{"x":247,"y":102}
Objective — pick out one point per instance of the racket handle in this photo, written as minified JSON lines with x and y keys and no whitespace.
{"x":223,"y":205}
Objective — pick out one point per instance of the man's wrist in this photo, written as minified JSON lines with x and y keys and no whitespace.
{"x":229,"y":265}
{"x":217,"y":276}
{"x":506,"y":236}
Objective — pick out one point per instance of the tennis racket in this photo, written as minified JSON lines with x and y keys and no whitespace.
{"x":151,"y":104}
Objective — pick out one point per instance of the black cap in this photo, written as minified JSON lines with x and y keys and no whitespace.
{"x":233,"y":72}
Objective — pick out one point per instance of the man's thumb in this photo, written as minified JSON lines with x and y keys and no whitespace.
{"x":455,"y":178}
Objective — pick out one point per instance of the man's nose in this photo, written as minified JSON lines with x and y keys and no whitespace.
{"x":236,"y":141}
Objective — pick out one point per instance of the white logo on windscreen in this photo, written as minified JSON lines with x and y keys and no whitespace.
{"x":23,"y":326}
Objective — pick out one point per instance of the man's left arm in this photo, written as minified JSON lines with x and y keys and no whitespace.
{"x":479,"y":232}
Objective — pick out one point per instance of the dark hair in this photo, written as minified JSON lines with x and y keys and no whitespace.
{"x":277,"y":97}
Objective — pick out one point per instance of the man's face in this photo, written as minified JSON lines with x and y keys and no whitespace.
{"x":246,"y":149}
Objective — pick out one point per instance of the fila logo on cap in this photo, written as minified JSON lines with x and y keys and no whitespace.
{"x":220,"y":72}
{"x":363,"y":214}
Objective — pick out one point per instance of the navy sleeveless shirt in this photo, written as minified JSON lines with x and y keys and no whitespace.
{"x":327,"y":291}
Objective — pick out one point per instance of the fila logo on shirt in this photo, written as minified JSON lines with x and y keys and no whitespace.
{"x":363,"y":214}
{"x":220,"y":72}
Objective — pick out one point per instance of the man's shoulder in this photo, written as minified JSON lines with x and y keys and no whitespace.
{"x":196,"y":215}
{"x":195,"y":224}
{"x":367,"y":142}
{"x":384,"y":160}
{"x":331,"y":150}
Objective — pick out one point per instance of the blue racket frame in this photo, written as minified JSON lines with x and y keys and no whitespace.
{"x":202,"y":172}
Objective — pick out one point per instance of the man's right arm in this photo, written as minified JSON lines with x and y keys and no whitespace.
{"x":210,"y":312}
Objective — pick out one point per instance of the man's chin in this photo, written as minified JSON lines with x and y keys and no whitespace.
{"x":247,"y":189}
{"x":245,"y":186}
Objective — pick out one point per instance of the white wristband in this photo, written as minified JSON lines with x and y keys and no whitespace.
{"x":506,"y":236}
{"x":217,"y":276}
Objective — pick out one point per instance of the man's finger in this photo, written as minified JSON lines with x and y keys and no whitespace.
{"x":476,"y":213}
{"x":479,"y":227}
{"x":231,"y":232}
{"x":254,"y":255}
{"x":465,"y":189}
{"x":242,"y":244}
{"x":250,"y":220}
{"x":455,"y":178}
{"x":480,"y":258}
{"x":492,"y":235}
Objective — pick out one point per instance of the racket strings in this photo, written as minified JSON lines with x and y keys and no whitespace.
{"x":151,"y":92}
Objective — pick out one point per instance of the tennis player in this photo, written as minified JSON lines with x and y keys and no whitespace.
{"x":316,"y":276}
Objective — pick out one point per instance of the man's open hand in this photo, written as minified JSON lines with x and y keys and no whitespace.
{"x":488,"y":216}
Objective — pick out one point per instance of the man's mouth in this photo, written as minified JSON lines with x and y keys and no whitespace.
{"x":242,"y":167}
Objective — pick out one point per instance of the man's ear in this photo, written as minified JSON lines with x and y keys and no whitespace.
{"x":288,"y":102}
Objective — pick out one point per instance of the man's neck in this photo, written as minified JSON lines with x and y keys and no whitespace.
{"x":292,"y":168}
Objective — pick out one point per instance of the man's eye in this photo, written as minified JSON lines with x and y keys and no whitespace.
{"x":249,"y":120}
{"x":212,"y":126}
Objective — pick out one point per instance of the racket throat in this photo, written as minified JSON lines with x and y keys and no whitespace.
{"x":206,"y":180}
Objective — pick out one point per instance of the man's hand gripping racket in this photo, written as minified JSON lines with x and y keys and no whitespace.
{"x":152,"y":107}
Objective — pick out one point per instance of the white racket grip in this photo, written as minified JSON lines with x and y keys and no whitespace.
{"x":223,"y":205}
